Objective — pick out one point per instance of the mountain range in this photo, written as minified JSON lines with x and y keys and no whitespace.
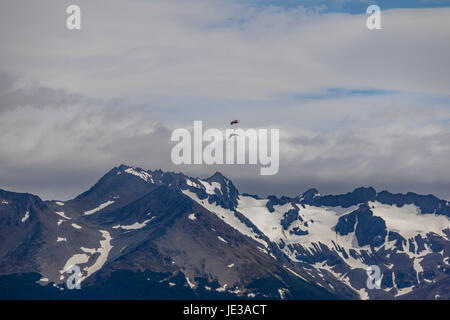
{"x":142,"y":234}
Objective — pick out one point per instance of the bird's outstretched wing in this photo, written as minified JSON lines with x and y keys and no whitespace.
{"x":234,"y":122}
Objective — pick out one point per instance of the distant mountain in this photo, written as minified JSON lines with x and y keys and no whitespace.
{"x":161,"y":235}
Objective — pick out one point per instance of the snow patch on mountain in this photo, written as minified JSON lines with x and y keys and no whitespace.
{"x":294,"y":273}
{"x":105,"y":248}
{"x":76,"y":259}
{"x":25,"y":217}
{"x":191,"y":183}
{"x":282,"y":293}
{"x":408,"y":220}
{"x":61,"y":214}
{"x":134,"y":226}
{"x":210,"y":187}
{"x":222,"y":288}
{"x":100,"y":207}
{"x":222,"y":239}
{"x":418,"y":267}
{"x":401,"y":291}
{"x":88,"y":250}
{"x":191,"y":284}
{"x":227,"y":216}
{"x":141,"y":174}
{"x":82,"y":258}
{"x":267,"y":222}
{"x":319,"y":222}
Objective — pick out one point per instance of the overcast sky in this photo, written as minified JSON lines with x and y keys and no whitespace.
{"x":354,"y":107}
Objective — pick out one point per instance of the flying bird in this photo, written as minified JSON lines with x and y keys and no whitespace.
{"x":234,"y":122}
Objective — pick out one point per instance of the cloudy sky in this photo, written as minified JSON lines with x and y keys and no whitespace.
{"x":354,"y":107}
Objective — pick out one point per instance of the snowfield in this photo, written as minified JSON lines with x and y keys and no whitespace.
{"x":228,"y":216}
{"x":141,"y":174}
{"x":82,"y":258}
{"x":409,"y":221}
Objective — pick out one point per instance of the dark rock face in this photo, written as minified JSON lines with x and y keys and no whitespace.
{"x":427,"y":203}
{"x":369,"y":230}
{"x":228,"y":195}
{"x":299,"y":232}
{"x":289,"y":217}
{"x":309,"y":195}
{"x":357,"y":196}
{"x":20,"y":226}
{"x":346,"y":224}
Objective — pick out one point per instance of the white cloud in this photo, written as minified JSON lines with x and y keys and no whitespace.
{"x":223,"y":49}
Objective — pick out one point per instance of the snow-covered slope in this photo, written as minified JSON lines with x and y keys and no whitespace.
{"x":343,"y":240}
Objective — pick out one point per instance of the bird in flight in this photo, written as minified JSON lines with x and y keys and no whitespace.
{"x":234,"y":122}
